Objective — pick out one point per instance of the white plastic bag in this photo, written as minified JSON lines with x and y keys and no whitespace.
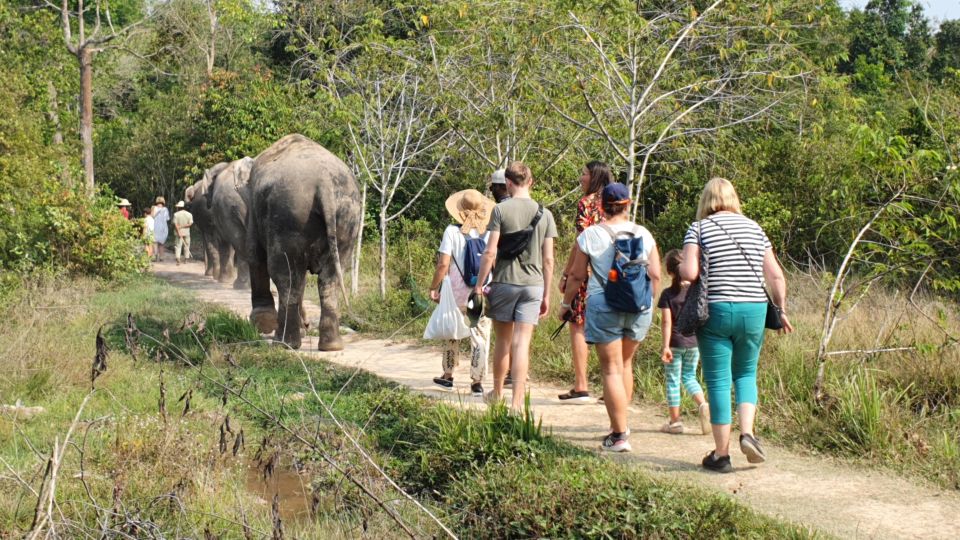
{"x":446,"y":322}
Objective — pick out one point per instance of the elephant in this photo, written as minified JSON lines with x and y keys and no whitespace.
{"x":226,"y":201}
{"x":195,"y":200}
{"x":303,"y":216}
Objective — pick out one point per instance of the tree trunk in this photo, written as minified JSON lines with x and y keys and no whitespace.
{"x":53,"y":113}
{"x":383,"y":253}
{"x":85,"y":57}
{"x":358,"y":249}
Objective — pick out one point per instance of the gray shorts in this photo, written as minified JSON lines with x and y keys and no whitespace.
{"x":515,"y":303}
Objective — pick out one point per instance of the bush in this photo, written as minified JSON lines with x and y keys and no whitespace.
{"x":59,"y":228}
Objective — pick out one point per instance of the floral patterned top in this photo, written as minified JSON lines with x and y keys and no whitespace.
{"x":589,"y":213}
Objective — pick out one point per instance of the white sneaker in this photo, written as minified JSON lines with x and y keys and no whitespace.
{"x":615,"y":445}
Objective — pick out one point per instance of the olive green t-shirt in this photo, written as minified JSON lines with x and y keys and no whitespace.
{"x":514,"y":215}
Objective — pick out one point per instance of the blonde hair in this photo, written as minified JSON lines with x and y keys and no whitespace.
{"x":718,"y":195}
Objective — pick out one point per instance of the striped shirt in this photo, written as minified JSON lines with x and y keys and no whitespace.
{"x":731,"y":277}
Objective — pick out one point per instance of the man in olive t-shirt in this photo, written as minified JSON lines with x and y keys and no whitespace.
{"x":519,"y":294}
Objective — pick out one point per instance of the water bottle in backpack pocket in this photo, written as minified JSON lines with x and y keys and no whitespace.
{"x":627,"y":286}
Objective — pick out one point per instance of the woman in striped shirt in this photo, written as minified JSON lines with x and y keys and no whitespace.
{"x":739,"y":258}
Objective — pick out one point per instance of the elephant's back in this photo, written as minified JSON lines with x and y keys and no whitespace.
{"x":297,"y":162}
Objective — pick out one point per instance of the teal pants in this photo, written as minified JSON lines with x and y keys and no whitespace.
{"x":683,"y":368}
{"x":729,"y":349}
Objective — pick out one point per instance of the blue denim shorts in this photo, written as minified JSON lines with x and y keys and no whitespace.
{"x":604,"y":325}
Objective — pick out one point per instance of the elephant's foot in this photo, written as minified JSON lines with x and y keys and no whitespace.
{"x":208,"y":272}
{"x":335,"y":344}
{"x":241,"y":284}
{"x":265,"y":319}
{"x":329,"y":337}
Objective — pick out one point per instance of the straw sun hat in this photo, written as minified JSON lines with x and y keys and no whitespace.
{"x":123,"y":202}
{"x":470,"y":209}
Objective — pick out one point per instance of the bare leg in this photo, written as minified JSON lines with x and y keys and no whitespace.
{"x":629,"y":347}
{"x":581,"y":352}
{"x":520,"y":355}
{"x":721,"y":438}
{"x":501,"y":354}
{"x":614,"y":396}
{"x":746,"y":412}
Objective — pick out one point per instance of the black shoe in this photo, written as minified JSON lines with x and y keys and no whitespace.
{"x":750,"y":446}
{"x":443,"y":381}
{"x":719,"y":464}
{"x":508,"y":380}
{"x":476,"y":389}
{"x":575,"y":396}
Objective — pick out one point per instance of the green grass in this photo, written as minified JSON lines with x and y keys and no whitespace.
{"x":486,"y":475}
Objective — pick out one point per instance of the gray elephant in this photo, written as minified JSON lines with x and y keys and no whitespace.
{"x":304,"y":215}
{"x":226,"y":201}
{"x":195,"y":199}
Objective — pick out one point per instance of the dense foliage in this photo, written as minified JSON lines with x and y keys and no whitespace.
{"x":820,"y":116}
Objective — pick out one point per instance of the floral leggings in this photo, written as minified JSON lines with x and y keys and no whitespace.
{"x":479,"y":351}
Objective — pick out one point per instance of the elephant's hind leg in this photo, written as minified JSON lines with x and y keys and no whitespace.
{"x":329,"y":328}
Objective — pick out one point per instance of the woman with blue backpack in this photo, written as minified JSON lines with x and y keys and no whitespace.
{"x":458,"y":258}
{"x":625,"y":273}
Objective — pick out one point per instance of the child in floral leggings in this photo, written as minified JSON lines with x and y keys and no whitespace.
{"x":680,"y":355}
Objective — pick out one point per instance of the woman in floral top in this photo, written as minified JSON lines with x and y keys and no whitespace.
{"x":595,"y":176}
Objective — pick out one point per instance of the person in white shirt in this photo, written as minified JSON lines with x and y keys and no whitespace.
{"x":471,"y":210}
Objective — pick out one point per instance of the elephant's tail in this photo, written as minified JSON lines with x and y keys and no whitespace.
{"x":326,"y":200}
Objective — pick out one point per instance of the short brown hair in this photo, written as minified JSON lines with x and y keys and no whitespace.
{"x":518,"y":173}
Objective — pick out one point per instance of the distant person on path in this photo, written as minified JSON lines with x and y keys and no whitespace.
{"x":462,"y":245}
{"x":520,"y":255}
{"x":148,"y":230}
{"x":182,"y":221}
{"x":124,"y":206}
{"x":615,"y":333}
{"x":738,"y":253}
{"x":160,"y":231}
{"x":498,"y":186}
{"x":593,"y":178}
{"x":680,"y":354}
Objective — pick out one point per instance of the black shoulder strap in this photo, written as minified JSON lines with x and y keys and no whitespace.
{"x":537,"y":216}
{"x":742,"y":251}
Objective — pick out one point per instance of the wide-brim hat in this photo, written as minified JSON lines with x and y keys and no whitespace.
{"x":470,"y":209}
{"x":160,"y":200}
{"x":476,"y":304}
{"x":123,"y":202}
{"x":179,"y":204}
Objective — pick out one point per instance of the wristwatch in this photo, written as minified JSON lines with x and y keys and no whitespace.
{"x":564,"y":305}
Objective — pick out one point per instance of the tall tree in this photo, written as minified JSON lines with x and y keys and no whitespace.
{"x":84,"y":45}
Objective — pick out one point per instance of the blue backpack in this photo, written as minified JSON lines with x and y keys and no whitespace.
{"x":627,"y":287}
{"x":471,"y":260}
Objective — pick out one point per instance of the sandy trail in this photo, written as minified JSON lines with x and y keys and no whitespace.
{"x":817,"y":492}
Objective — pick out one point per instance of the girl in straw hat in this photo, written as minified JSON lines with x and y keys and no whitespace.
{"x":471,"y":210}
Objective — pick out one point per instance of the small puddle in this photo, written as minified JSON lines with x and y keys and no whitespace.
{"x":293,"y":490}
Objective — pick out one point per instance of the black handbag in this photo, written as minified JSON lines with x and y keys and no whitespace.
{"x":774,"y":319}
{"x":696,"y":308}
{"x":512,"y":244}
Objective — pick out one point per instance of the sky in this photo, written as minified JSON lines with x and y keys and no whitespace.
{"x":936,"y":10}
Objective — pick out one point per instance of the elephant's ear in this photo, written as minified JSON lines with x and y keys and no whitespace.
{"x":243,"y":168}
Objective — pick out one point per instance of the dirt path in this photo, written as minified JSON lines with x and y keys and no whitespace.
{"x":817,"y":492}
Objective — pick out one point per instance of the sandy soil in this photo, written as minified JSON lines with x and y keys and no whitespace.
{"x":817,"y":492}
